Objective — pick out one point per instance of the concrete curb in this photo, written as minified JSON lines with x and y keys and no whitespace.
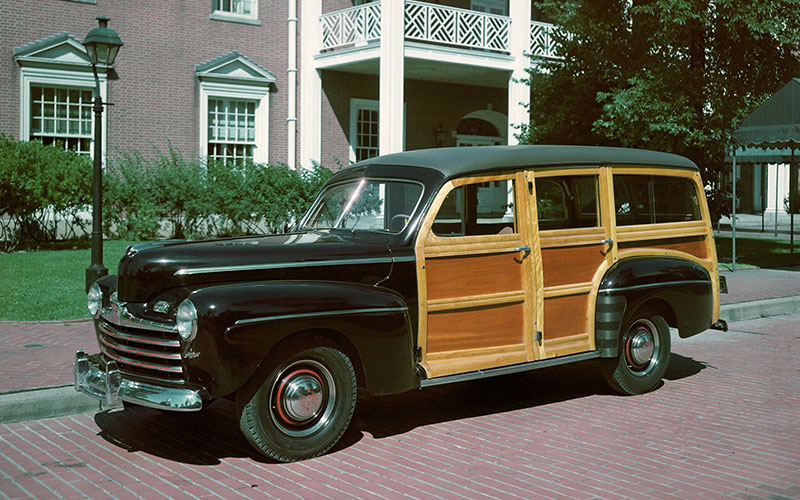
{"x":34,"y":404}
{"x":755,"y":309}
{"x":46,"y":402}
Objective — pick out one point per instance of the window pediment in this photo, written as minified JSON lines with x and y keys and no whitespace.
{"x":62,"y":49}
{"x":234,"y":68}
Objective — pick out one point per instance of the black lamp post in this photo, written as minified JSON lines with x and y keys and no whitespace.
{"x":102,"y":45}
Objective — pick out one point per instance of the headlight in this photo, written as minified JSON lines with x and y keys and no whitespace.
{"x":186,"y":320}
{"x":95,"y":300}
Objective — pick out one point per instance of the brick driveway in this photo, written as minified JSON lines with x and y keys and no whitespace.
{"x":724,"y":425}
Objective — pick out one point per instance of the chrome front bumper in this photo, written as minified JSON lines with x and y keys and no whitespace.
{"x":103,"y":381}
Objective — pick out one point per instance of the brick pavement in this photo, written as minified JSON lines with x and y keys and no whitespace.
{"x":723,"y":425}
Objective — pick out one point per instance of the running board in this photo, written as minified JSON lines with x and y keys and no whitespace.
{"x":506,"y":370}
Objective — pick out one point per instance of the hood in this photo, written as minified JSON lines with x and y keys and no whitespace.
{"x":149,"y":268}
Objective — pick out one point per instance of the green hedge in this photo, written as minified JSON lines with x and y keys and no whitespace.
{"x":168,"y":194}
{"x":42,"y":189}
{"x":45,"y":195}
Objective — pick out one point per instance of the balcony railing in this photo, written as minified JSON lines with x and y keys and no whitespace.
{"x":351,"y":26}
{"x":435,"y":24}
{"x":542,"y":42}
{"x":451,"y":26}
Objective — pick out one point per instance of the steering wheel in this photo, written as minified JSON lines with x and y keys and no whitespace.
{"x":402,"y":217}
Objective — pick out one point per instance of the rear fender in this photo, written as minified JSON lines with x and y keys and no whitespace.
{"x":680,"y":288}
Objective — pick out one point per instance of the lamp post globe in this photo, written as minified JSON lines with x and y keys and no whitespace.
{"x":102,"y":45}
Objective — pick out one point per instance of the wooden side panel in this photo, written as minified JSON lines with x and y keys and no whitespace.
{"x":449,"y":277}
{"x":693,"y":245}
{"x":475,"y":328}
{"x":564,"y":316}
{"x":567,"y":265}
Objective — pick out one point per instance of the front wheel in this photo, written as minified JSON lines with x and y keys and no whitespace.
{"x":304,"y":406}
{"x":643,"y":354}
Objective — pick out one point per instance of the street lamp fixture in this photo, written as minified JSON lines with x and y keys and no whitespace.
{"x":102,"y":45}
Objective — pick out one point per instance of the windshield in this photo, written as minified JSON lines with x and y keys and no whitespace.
{"x":365,"y":204}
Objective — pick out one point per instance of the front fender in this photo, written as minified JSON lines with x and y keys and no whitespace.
{"x":239,"y":324}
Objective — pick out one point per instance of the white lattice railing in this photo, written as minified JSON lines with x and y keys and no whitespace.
{"x":351,"y":26}
{"x":542,"y":42}
{"x":433,"y":23}
{"x":452,"y":26}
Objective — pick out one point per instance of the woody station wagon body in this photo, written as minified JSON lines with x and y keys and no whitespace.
{"x":410,"y":270}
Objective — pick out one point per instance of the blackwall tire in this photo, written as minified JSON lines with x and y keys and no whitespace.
{"x":303,"y":407}
{"x":644,"y":350}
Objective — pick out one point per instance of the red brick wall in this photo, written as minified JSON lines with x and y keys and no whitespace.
{"x":155,"y":98}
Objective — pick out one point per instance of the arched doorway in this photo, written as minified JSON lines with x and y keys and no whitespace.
{"x":482,"y":128}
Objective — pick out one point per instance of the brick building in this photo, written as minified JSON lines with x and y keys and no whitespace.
{"x":275,"y":80}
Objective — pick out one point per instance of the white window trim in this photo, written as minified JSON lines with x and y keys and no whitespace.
{"x":372,"y":105}
{"x":260,"y":94}
{"x":221,"y":15}
{"x":50,"y":77}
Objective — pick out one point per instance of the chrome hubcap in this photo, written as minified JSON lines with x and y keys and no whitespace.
{"x":641,"y":347}
{"x":302,"y":398}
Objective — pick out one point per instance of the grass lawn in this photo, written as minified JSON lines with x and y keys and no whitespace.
{"x":50,"y":284}
{"x":756,"y":252}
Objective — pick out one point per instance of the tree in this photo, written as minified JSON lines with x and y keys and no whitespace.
{"x":670,"y":75}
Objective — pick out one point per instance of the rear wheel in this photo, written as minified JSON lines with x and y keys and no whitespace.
{"x":304,"y":406}
{"x":643,"y":354}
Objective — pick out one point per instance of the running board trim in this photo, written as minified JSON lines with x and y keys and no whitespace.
{"x":506,"y":370}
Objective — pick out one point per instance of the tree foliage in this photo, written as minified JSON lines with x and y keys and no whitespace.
{"x":669,"y":75}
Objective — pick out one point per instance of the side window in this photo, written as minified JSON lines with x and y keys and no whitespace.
{"x":643,"y":199}
{"x":675,"y":199}
{"x":567,"y":202}
{"x":632,"y":199}
{"x":477,"y":209}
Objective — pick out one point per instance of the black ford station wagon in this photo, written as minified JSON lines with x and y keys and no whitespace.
{"x":411,"y":270}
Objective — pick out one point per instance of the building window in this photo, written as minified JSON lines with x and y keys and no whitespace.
{"x":235,"y":10}
{"x":62,"y":116}
{"x":234,"y":109}
{"x":366,"y":140}
{"x":231,"y":130}
{"x":57,"y":92}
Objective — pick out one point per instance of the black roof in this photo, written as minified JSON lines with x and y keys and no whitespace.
{"x":453,"y":162}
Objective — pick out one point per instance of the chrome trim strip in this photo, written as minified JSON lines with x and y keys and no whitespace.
{"x":281,"y":265}
{"x":118,"y":314}
{"x":108,"y":329}
{"x":320,"y":314}
{"x":91,"y":379}
{"x":505,"y":370}
{"x":133,"y":362}
{"x":407,"y":258}
{"x":655,"y":285}
{"x":141,"y":352}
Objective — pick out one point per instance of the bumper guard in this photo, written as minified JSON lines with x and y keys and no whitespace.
{"x":103,"y":381}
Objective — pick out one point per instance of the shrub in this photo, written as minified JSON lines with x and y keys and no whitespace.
{"x":42,"y":189}
{"x":795,"y":203}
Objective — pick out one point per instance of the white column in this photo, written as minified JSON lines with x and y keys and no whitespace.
{"x":310,"y":84}
{"x":392,"y":77}
{"x":519,"y":94}
{"x":291,"y":73}
{"x":777,"y":187}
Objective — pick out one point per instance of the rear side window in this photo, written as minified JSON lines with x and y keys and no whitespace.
{"x":651,"y":199}
{"x":567,"y":202}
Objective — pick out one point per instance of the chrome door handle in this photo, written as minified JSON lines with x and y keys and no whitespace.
{"x":607,"y":241}
{"x":525,"y":249}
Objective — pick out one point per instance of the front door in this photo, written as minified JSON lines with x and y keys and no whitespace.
{"x":474,"y":252}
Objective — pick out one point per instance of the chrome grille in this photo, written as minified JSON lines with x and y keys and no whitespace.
{"x":140,"y":347}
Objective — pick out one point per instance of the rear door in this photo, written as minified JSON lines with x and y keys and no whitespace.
{"x":576,"y":247}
